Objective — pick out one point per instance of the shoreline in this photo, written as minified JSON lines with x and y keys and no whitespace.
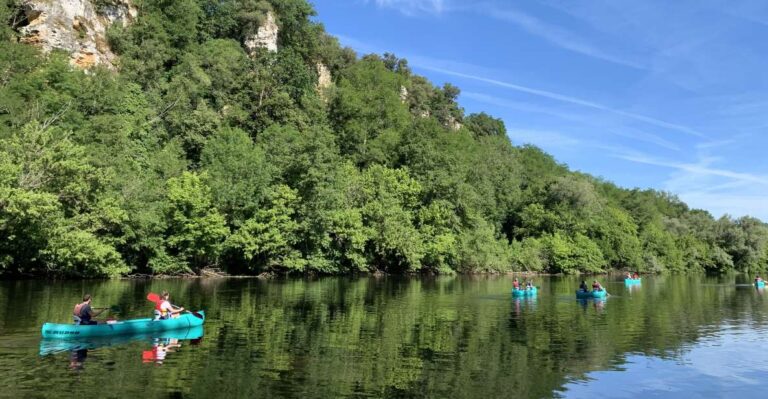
{"x":275,"y":276}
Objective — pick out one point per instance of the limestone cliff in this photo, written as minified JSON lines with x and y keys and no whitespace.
{"x":324,"y":79}
{"x":78,"y":27}
{"x":265,"y":37}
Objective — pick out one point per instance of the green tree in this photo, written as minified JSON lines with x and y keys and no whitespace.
{"x":196,"y":230}
{"x":267,"y":240}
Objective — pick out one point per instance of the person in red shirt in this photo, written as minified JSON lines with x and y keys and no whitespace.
{"x":596,"y":286}
{"x":515,"y":284}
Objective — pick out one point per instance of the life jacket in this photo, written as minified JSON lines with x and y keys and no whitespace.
{"x":164,"y":314}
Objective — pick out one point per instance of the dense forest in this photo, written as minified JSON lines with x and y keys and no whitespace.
{"x":198,"y":153}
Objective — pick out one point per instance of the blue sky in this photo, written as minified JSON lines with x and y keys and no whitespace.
{"x":671,"y":95}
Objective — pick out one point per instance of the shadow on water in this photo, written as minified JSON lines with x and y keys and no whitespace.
{"x":458,"y":337}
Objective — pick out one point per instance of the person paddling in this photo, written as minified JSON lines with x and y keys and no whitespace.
{"x":515,"y":284}
{"x":583,"y":287}
{"x":596,"y":286}
{"x":164,"y":309}
{"x":83,"y":314}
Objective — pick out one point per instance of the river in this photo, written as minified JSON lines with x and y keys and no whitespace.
{"x":398,"y":337}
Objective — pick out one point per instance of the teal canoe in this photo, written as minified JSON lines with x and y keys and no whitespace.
{"x":591,"y":294}
{"x":760,"y":284}
{"x":50,"y":346}
{"x":525,"y":292}
{"x":135,"y":326}
{"x":633,"y":281}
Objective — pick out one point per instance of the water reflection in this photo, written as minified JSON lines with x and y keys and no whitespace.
{"x":458,"y":337}
{"x":162,"y":343}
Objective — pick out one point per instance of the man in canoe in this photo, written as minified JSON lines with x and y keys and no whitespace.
{"x":84,"y":314}
{"x":596,"y":286}
{"x":164,"y":309}
{"x":583,"y":287}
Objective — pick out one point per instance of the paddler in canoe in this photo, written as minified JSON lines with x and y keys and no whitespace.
{"x":83,"y":314}
{"x":515,"y":284}
{"x":596,"y":286}
{"x":529,"y":285}
{"x":164,"y":309}
{"x":583,"y":287}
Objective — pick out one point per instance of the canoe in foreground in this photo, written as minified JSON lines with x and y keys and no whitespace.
{"x":136,"y":326}
{"x":632,"y":281}
{"x":525,"y":292}
{"x":50,"y":346}
{"x":760,"y":284}
{"x":590,"y":294}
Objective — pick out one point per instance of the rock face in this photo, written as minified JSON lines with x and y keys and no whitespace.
{"x":75,"y":26}
{"x":403,"y":94}
{"x":453,"y":124}
{"x":265,"y":37}
{"x":324,"y":79}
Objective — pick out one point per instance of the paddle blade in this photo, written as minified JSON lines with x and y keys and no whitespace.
{"x":198,"y":315}
{"x":152,"y":297}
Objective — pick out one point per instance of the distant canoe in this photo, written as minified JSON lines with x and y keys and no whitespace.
{"x":633,"y":281}
{"x":591,"y":294}
{"x":760,"y":284}
{"x":525,"y":292}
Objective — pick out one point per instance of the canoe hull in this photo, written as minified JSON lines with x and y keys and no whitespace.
{"x":760,"y":284}
{"x":521,"y":293}
{"x":136,"y":326}
{"x":632,"y":281}
{"x":591,"y":294}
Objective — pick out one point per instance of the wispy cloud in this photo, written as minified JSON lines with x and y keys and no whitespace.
{"x":542,"y":138}
{"x":696,"y":168}
{"x":558,"y":36}
{"x":703,"y":185}
{"x":591,"y":121}
{"x":648,"y":138}
{"x":413,"y":7}
{"x":523,"y":106}
{"x":568,"y":99}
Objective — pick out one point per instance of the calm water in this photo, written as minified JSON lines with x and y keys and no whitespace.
{"x":450,"y":337}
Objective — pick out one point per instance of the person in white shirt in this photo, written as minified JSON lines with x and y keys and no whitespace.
{"x":164,"y":309}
